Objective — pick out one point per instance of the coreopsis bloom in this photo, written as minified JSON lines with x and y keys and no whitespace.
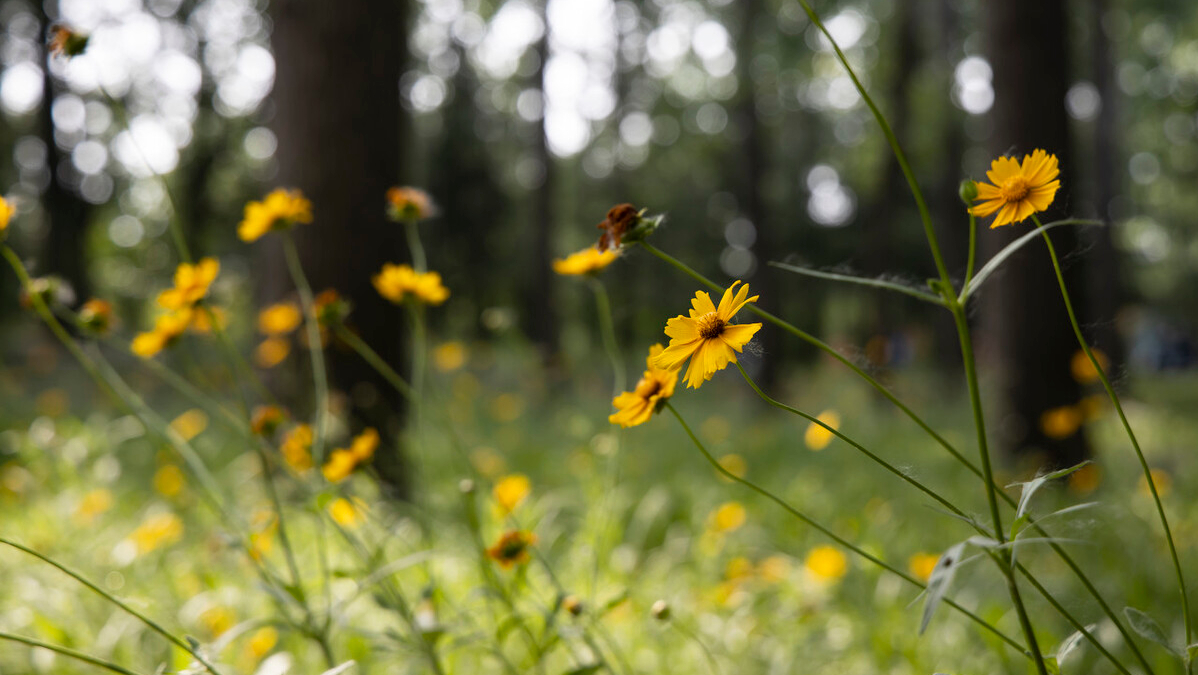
{"x":204,"y":319}
{"x":1083,"y":369}
{"x":408,"y":203}
{"x":510,"y":491}
{"x":347,"y":513}
{"x":156,"y":531}
{"x":1061,"y":422}
{"x":817,"y":437}
{"x":587,"y":261}
{"x":190,"y":424}
{"x":279,"y":319}
{"x":168,"y":480}
{"x":512,"y":548}
{"x":655,"y":386}
{"x":396,"y":282}
{"x":297,"y":448}
{"x":921,"y":565}
{"x":66,"y":42}
{"x":826,"y":563}
{"x":191,"y":284}
{"x":1018,"y":190}
{"x":620,"y":219}
{"x":93,"y":504}
{"x":167,"y":329}
{"x":280,"y":210}
{"x":727,"y":517}
{"x":266,"y":419}
{"x":271,"y":352}
{"x":96,"y":316}
{"x":343,"y":461}
{"x":6,"y":211}
{"x":707,"y":337}
{"x":364,"y":444}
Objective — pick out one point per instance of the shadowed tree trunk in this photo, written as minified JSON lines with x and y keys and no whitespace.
{"x":949,"y":212}
{"x":1027,"y":331}
{"x":539,"y":313}
{"x":337,"y":118}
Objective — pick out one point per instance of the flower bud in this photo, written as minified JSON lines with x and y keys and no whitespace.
{"x":661,"y":610}
{"x":572,"y":604}
{"x":968,"y":192}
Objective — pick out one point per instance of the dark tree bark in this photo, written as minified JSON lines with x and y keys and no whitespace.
{"x":337,"y":118}
{"x":540,"y":314}
{"x":951,"y":218}
{"x":1029,"y":338}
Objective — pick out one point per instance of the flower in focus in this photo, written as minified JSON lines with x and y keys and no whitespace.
{"x":96,"y":316}
{"x":297,"y":448}
{"x":191,"y":284}
{"x":1083,"y":369}
{"x":510,"y":491}
{"x":707,"y":335}
{"x":408,"y":203}
{"x":343,"y":461}
{"x":817,"y":437}
{"x":1018,"y":190}
{"x":279,"y":210}
{"x":156,"y":531}
{"x":395,"y":282}
{"x":66,"y":42}
{"x":6,"y":212}
{"x":921,"y":565}
{"x":826,"y":563}
{"x":167,"y":328}
{"x":512,"y":548}
{"x":587,"y":261}
{"x":620,"y":219}
{"x":266,"y":419}
{"x":279,"y":319}
{"x":654,"y":387}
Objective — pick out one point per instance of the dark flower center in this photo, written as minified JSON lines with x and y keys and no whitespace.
{"x":711,"y":326}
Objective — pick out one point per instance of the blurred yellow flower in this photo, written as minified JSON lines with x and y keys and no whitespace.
{"x":1086,"y":479}
{"x":279,"y":319}
{"x":707,"y":335}
{"x":271,"y":352}
{"x":156,"y":531}
{"x":826,"y":563}
{"x":1162,"y":480}
{"x":512,"y":548}
{"x":655,"y":386}
{"x":1018,"y":190}
{"x":738,"y":568}
{"x":266,"y":419}
{"x":190,"y":424}
{"x":96,"y":315}
{"x":1092,"y":406}
{"x":735,"y":465}
{"x":279,"y":210}
{"x":773,"y":569}
{"x":343,"y":461}
{"x":217,"y":620}
{"x":6,"y":211}
{"x":816,"y":436}
{"x":346,"y":513}
{"x":1062,"y":422}
{"x":191,"y":284}
{"x":93,"y":504}
{"x":408,"y":203}
{"x":364,"y":444}
{"x":510,"y":491}
{"x":261,"y":642}
{"x":167,"y":328}
{"x":921,"y":565}
{"x":1083,"y":369}
{"x":587,"y":261}
{"x":394,"y":282}
{"x":168,"y":480}
{"x":449,"y":356}
{"x":296,"y":448}
{"x":204,"y":318}
{"x":728,"y":517}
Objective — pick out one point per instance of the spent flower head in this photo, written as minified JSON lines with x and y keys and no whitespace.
{"x":267,"y":419}
{"x":625,"y":224}
{"x":96,"y":316}
{"x":408,"y":204}
{"x":651,"y":391}
{"x":65,"y":41}
{"x":1018,"y":190}
{"x":279,"y":210}
{"x":707,"y":337}
{"x":512,"y":548}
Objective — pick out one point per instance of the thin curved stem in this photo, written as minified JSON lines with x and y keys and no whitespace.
{"x":1131,"y":435}
{"x":973,"y":249}
{"x":377,"y":362}
{"x":68,"y":652}
{"x":315,"y":347}
{"x":608,"y":332}
{"x":833,"y":536}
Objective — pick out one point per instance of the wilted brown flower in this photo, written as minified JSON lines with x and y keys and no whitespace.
{"x":619,"y":220}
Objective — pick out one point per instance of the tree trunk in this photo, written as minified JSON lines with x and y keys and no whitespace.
{"x":1029,"y":337}
{"x":540,"y":315}
{"x":337,"y":118}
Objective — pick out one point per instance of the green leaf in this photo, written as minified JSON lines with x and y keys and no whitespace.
{"x":1001,"y":257}
{"x":1070,"y":643}
{"x":1052,"y":663}
{"x":1148,"y":628}
{"x":862,"y":281}
{"x":1030,"y":487}
{"x":585,"y":670}
{"x":941,"y":579}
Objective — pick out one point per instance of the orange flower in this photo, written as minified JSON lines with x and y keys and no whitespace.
{"x":512,"y":548}
{"x":408,"y":203}
{"x":1018,"y":190}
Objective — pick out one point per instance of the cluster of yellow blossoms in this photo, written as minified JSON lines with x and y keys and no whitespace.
{"x":182,"y":303}
{"x":280,"y":210}
{"x":398,"y":282}
{"x":343,"y":461}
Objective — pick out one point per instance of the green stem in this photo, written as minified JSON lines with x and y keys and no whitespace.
{"x":607,"y":330}
{"x":619,"y":381}
{"x":65,"y":651}
{"x":315,"y":348}
{"x":153,"y":625}
{"x":1135,"y":443}
{"x":973,"y":248}
{"x":381,"y":366}
{"x":832,"y":535}
{"x":411,"y":229}
{"x":693,"y":636}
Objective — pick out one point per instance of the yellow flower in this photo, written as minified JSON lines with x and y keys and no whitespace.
{"x":512,"y":548}
{"x":190,"y":424}
{"x":279,"y":319}
{"x":167,"y":328}
{"x":296,"y":448}
{"x":1162,"y":480}
{"x":346,"y":513}
{"x":1086,"y":479}
{"x":707,"y":335}
{"x":728,"y":517}
{"x":1018,"y":190}
{"x":271,"y":352}
{"x":93,"y":504}
{"x":217,"y":620}
{"x":203,"y":319}
{"x":364,"y":444}
{"x":96,"y":315}
{"x":655,"y":386}
{"x":733,"y":464}
{"x":773,"y":569}
{"x":510,"y":491}
{"x":158,"y":530}
{"x":1083,"y":369}
{"x":1062,"y":422}
{"x":262,"y":641}
{"x":393,"y":282}
{"x":826,"y":563}
{"x":921,"y":565}
{"x":587,"y":261}
{"x":168,"y":481}
{"x":191,"y":284}
{"x":817,"y":437}
{"x":6,"y":211}
{"x":279,"y":210}
{"x":339,"y":466}
{"x":449,"y":356}
{"x":408,"y":203}
{"x":267,"y":419}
